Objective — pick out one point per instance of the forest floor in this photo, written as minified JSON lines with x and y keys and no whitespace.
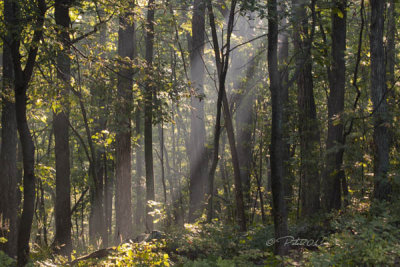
{"x":356,"y":236}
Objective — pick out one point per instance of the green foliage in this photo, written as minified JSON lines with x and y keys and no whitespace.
{"x":220,"y":244}
{"x":205,"y":263}
{"x":5,"y":260}
{"x":143,"y":254}
{"x":361,"y":239}
{"x":134,"y":254}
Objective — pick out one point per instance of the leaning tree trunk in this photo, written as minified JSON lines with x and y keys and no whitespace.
{"x":123,"y":207}
{"x":198,"y":158}
{"x":222,"y":68}
{"x":8,"y":155}
{"x":148,"y":117}
{"x":277,"y":142}
{"x":382,"y":187}
{"x":62,"y":240}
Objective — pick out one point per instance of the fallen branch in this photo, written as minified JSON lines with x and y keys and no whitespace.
{"x":101,"y":253}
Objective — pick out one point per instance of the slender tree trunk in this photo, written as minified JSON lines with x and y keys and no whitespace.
{"x":123,"y":190}
{"x":217,"y":131}
{"x":140,"y":180}
{"x":96,"y":216}
{"x":198,"y":158}
{"x":8,"y":154}
{"x":43,"y":213}
{"x":178,"y":208}
{"x":161,"y":141}
{"x":308,"y":124}
{"x":277,"y":142}
{"x":225,"y":180}
{"x":259,"y":178}
{"x":222,"y":68}
{"x":382,"y":185}
{"x":108,"y":194}
{"x":148,"y":117}
{"x":62,"y":240}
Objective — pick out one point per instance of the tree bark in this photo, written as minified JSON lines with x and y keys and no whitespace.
{"x":140,"y":180}
{"x":244,"y":124}
{"x":8,"y":155}
{"x":277,"y":142}
{"x":62,"y":240}
{"x":308,"y":124}
{"x":382,"y":187}
{"x":391,"y":45}
{"x":21,"y":82}
{"x":148,"y":117}
{"x":335,"y":141}
{"x":222,"y":68}
{"x":123,"y":137}
{"x":283,"y":62}
{"x":198,"y":157}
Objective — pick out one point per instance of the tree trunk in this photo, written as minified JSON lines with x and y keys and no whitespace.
{"x":391,"y":44}
{"x":198,"y":157}
{"x":162,"y":165}
{"x":283,"y":61}
{"x":21,"y":82}
{"x":140,"y":183}
{"x":123,"y":190}
{"x":108,"y":195}
{"x":308,"y":124}
{"x":335,"y":141}
{"x":148,"y":117}
{"x":8,"y":155}
{"x":244,"y":125}
{"x":62,"y":240}
{"x":100,"y":96}
{"x":222,"y":68}
{"x":96,"y":216}
{"x":391,"y":62}
{"x":277,"y":142}
{"x":382,"y":187}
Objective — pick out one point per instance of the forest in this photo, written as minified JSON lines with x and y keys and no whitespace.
{"x":199,"y":133}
